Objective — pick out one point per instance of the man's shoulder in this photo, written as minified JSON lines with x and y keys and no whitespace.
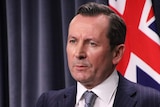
{"x":51,"y":98}
{"x":138,"y":88}
{"x":60,"y":92}
{"x":147,"y":91}
{"x":136,"y":94}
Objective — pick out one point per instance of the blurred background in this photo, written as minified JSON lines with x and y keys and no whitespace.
{"x":33,"y":36}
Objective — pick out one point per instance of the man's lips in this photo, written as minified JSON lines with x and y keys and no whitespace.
{"x":80,"y":67}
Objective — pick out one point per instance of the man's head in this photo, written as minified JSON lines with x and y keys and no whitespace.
{"x":117,"y":28}
{"x":95,"y":43}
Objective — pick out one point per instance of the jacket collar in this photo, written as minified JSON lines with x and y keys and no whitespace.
{"x":69,"y":98}
{"x":126,"y":92}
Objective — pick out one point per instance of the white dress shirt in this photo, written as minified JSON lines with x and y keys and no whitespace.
{"x":105,"y":91}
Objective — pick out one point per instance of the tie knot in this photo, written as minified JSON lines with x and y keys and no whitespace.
{"x":90,"y":98}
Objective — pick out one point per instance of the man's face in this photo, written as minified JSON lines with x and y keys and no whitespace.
{"x":89,"y":55}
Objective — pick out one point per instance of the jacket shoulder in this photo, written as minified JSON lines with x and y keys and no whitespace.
{"x":54,"y":96}
{"x":141,"y":95}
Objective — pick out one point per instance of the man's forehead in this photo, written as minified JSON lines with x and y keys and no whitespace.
{"x":79,"y":18}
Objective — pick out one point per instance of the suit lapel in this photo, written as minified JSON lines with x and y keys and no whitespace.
{"x":69,"y":98}
{"x":125,"y":96}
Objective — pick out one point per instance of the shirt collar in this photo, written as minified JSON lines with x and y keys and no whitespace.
{"x":104,"y":91}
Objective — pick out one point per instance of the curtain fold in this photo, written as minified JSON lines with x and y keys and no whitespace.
{"x":4,"y":95}
{"x":35,"y":50}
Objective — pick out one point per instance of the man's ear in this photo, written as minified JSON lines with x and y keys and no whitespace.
{"x":118,"y":53}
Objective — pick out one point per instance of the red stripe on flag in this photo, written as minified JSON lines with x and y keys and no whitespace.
{"x":151,"y":14}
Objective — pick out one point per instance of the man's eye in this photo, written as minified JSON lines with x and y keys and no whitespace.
{"x":93,"y":44}
{"x":72,"y":41}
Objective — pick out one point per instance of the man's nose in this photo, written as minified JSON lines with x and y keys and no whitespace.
{"x":80,"y":51}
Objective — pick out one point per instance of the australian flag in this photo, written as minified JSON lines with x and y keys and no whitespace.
{"x":141,"y":60}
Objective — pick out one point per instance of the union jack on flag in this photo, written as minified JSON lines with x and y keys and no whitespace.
{"x":141,"y":60}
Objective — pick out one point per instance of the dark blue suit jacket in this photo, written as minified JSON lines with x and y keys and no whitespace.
{"x":128,"y":95}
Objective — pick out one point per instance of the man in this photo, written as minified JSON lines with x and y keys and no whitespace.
{"x":95,"y":46}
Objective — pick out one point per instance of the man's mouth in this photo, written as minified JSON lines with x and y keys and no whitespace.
{"x":81,"y":67}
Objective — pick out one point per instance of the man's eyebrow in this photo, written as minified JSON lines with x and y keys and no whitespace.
{"x":91,"y":39}
{"x":71,"y":36}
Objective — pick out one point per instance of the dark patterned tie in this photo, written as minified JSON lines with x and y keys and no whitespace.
{"x":90,"y":98}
